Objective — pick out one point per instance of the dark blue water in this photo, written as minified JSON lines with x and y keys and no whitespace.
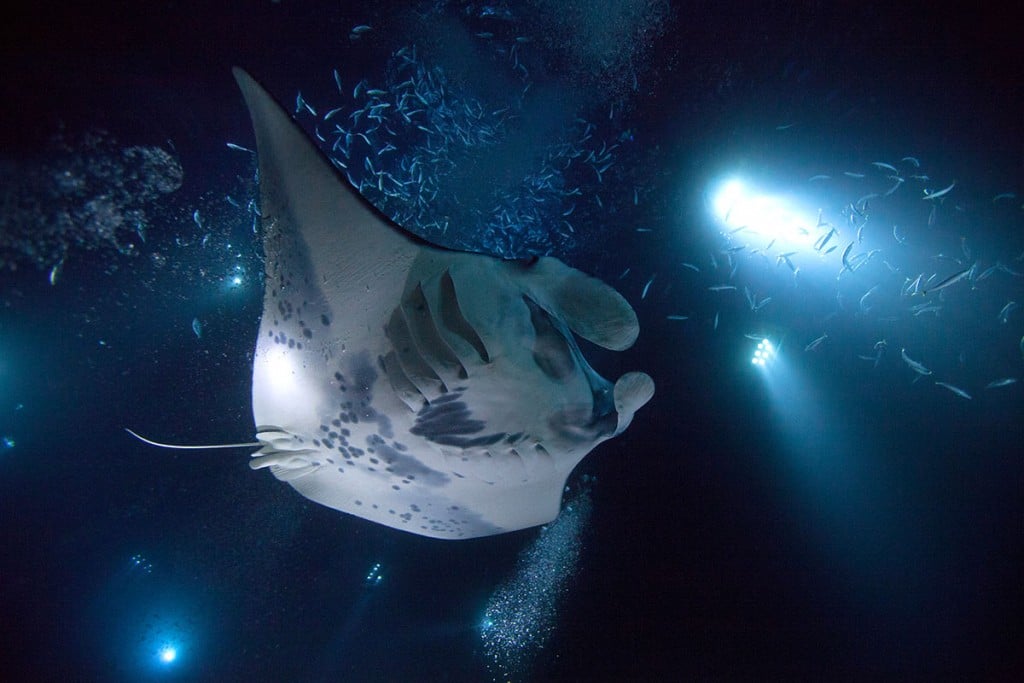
{"x":833,"y":515}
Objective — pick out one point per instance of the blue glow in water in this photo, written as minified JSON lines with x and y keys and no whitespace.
{"x":146,"y":626}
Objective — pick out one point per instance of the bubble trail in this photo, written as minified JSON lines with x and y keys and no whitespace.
{"x":522,"y":612}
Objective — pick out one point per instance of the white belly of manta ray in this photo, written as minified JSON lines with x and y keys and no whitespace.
{"x":437,"y":392}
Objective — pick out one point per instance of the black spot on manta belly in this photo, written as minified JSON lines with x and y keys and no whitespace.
{"x":364,"y":376}
{"x":444,"y":417}
{"x":409,"y":467}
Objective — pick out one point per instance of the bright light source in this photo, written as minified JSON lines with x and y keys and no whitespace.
{"x":731,"y":194}
{"x":235,"y":278}
{"x":374,"y":577}
{"x":743,"y":211}
{"x":167,"y":654}
{"x":763,"y":354}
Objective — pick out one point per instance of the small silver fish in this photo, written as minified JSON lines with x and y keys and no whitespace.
{"x":816,"y":344}
{"x":846,"y":258}
{"x":956,"y":390}
{"x":643,"y":295}
{"x":1004,"y":315}
{"x":940,"y":193}
{"x":898,"y":237}
{"x":863,"y":300}
{"x":914,"y":365}
{"x":951,"y":280}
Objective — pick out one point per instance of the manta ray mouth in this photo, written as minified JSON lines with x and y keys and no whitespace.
{"x":558,"y":355}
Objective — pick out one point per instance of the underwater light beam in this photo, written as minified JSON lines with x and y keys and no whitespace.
{"x":740,"y":209}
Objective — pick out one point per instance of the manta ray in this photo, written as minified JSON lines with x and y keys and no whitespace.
{"x":438,"y":392}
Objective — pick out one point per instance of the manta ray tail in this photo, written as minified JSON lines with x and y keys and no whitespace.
{"x":191,"y":448}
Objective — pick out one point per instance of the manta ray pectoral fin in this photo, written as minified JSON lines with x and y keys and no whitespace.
{"x":592,"y":309}
{"x":330,"y":254}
